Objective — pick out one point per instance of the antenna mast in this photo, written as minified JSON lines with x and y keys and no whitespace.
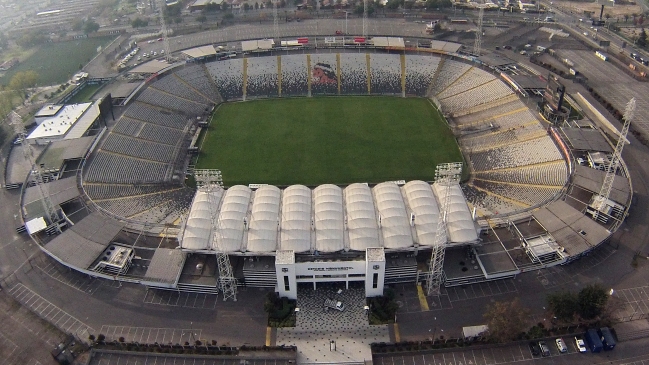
{"x":600,"y":200}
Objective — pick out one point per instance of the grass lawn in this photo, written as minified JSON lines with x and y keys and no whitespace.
{"x":84,"y":95}
{"x":55,"y":63}
{"x":338,"y":140}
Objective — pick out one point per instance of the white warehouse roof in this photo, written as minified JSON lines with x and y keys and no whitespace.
{"x":425,"y":209}
{"x":459,"y":224}
{"x":393,"y":218}
{"x":328,"y":211}
{"x":327,"y":219}
{"x":361,"y":217}
{"x":296,"y":219}
{"x":264,"y":220}
{"x":232,"y":219}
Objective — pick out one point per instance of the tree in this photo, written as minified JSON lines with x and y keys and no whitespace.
{"x":139,"y":23}
{"x":90,"y":27}
{"x":394,"y":4}
{"x":563,"y":305}
{"x":592,"y":300}
{"x":626,"y":18}
{"x":201,"y":18}
{"x":77,"y":25}
{"x":642,"y":38}
{"x":506,"y":320}
{"x":23,"y":80}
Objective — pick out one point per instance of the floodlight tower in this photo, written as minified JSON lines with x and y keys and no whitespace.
{"x":275,"y":21}
{"x":210,"y":181}
{"x":163,"y":29}
{"x":600,"y":200}
{"x":35,"y":172}
{"x":365,"y":18}
{"x":446,"y":175}
{"x":477,"y":46}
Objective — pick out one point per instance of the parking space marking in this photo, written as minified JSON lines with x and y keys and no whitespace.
{"x":481,"y":290}
{"x":32,"y":301}
{"x":70,"y":278}
{"x":150,"y":335}
{"x":180,"y":299}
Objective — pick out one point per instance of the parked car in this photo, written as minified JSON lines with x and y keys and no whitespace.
{"x":534,"y":349}
{"x":545,"y":350}
{"x":334,"y":304}
{"x":581,"y":346}
{"x":592,"y":339}
{"x":608,"y":341}
{"x":561,"y":346}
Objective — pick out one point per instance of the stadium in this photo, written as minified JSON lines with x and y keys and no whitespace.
{"x":127,"y":213}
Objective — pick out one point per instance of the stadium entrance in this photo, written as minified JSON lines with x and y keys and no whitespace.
{"x":290,"y":272}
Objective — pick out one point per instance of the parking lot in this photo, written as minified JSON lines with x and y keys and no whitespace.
{"x":180,"y":299}
{"x":486,"y":356}
{"x":161,"y":359}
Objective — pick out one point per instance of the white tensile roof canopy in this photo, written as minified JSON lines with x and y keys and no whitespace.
{"x":325,"y":219}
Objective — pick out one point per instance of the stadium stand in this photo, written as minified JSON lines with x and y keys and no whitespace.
{"x":353,"y":74}
{"x":138,"y":148}
{"x":469,"y":80}
{"x":530,"y":195}
{"x":148,"y":113}
{"x":262,"y":77}
{"x":103,"y":191}
{"x":171,"y":102}
{"x":197,"y":77}
{"x":553,"y":173}
{"x":482,"y":94}
{"x":501,"y":137}
{"x":294,"y":75}
{"x":447,"y":74}
{"x":385,"y":74}
{"x":172,"y":85}
{"x":490,"y":113}
{"x":112,"y":168}
{"x":517,"y":154}
{"x":128,"y":127}
{"x":420,"y":71}
{"x":156,"y":133}
{"x":228,"y":77}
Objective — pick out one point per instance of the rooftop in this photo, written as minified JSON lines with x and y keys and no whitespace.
{"x":59,"y":124}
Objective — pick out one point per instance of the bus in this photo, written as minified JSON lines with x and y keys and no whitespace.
{"x":601,"y":55}
{"x":459,"y":21}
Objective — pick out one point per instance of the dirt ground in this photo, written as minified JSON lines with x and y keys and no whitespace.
{"x":615,"y":11}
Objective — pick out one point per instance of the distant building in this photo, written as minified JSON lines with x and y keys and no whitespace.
{"x":55,"y":122}
{"x":199,"y":5}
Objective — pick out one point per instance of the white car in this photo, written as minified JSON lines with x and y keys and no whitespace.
{"x":581,"y":346}
{"x":561,"y":346}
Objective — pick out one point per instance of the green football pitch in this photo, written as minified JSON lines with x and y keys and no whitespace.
{"x":338,"y":140}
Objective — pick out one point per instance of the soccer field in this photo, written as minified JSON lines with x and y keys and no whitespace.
{"x":338,"y":140}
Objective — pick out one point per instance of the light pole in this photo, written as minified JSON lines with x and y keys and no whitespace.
{"x":346,"y":13}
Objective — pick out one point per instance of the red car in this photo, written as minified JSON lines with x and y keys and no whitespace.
{"x":160,"y":39}
{"x":338,"y":32}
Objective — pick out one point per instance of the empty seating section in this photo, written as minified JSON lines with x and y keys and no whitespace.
{"x":480,"y":95}
{"x":473,"y":78}
{"x":490,"y":113}
{"x":353,"y":73}
{"x":447,"y":74}
{"x":527,"y":194}
{"x":129,"y":127}
{"x":488,"y":204}
{"x":551,"y":174}
{"x":420,"y":71}
{"x":156,"y":133}
{"x":228,"y":77}
{"x":519,"y":154}
{"x":262,"y":77}
{"x":168,"y":101}
{"x":147,"y":113}
{"x":138,"y":148}
{"x":385,"y":74}
{"x":111,"y":168}
{"x":169,"y":210}
{"x":172,"y":85}
{"x":294,"y":75}
{"x":112,"y":191}
{"x":196,"y":76}
{"x":493,"y":104}
{"x":502,"y":137}
{"x":131,"y":205}
{"x":324,"y":74}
